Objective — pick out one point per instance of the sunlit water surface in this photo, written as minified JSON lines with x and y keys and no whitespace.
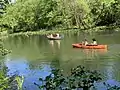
{"x":34,"y":56}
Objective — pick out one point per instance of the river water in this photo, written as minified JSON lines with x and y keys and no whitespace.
{"x":34,"y":56}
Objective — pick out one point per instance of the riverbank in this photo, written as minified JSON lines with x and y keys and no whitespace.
{"x":5,"y":34}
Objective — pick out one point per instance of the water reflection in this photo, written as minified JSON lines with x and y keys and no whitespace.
{"x":94,"y":52}
{"x":34,"y":56}
{"x":20,"y":66}
{"x":110,"y":70}
{"x":55,"y":45}
{"x":53,"y":42}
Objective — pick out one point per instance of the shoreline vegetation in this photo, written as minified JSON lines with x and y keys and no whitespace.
{"x":5,"y":34}
{"x":7,"y":82}
{"x":79,"y":78}
{"x":58,"y":16}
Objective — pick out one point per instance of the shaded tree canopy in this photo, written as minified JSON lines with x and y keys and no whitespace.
{"x":31,"y":15}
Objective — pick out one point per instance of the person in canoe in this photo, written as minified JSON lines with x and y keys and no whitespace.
{"x":85,"y":42}
{"x":50,"y":35}
{"x":56,"y":35}
{"x":94,"y":42}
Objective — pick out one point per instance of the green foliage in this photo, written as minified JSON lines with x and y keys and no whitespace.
{"x":41,"y":14}
{"x":19,"y":82}
{"x":3,"y":51}
{"x":8,"y":82}
{"x":106,"y":12}
{"x":22,"y":17}
{"x":46,"y":14}
{"x":79,"y":78}
{"x":3,"y":4}
{"x":3,"y":79}
{"x":32,"y":15}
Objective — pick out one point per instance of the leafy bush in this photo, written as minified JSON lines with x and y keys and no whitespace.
{"x":79,"y":78}
{"x":8,"y":82}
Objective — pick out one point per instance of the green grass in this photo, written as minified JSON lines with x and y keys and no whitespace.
{"x":44,"y":32}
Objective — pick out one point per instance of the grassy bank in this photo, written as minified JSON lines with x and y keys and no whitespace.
{"x":5,"y":34}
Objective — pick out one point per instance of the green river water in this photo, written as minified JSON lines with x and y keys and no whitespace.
{"x":34,"y":56}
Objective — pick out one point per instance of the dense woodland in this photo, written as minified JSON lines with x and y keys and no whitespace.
{"x":35,"y":15}
{"x":32,"y":15}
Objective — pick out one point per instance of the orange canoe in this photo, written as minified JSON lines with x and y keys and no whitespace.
{"x":79,"y":45}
